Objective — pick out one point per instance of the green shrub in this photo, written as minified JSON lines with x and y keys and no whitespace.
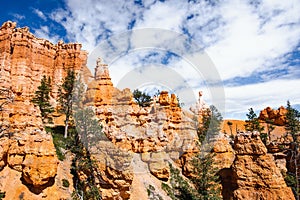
{"x":65,"y":183}
{"x":2,"y":195}
{"x":59,"y":141}
{"x":141,"y":98}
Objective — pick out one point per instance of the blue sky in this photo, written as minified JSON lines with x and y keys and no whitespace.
{"x":254,"y":45}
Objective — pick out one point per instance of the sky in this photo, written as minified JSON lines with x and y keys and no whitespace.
{"x":253,"y":47}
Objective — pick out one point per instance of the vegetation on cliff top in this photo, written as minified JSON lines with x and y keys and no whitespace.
{"x":141,"y":98}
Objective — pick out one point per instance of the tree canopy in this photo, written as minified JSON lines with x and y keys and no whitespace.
{"x":141,"y":98}
{"x":66,"y":97}
{"x":42,"y":99}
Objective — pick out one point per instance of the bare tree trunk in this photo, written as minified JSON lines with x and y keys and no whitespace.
{"x":66,"y":128}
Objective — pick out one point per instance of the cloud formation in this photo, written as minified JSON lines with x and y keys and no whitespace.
{"x":40,"y":14}
{"x":253,"y":44}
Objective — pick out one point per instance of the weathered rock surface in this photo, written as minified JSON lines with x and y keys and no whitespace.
{"x":224,"y":154}
{"x":277,"y":116}
{"x":159,"y":133}
{"x":162,"y":125}
{"x":114,"y":169}
{"x":27,"y":153}
{"x":254,"y":170}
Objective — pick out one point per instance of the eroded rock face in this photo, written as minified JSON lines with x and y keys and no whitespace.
{"x":277,"y":116}
{"x":224,"y":154}
{"x":28,"y":155}
{"x":162,"y":125}
{"x":255,"y":171}
{"x":114,"y":169}
{"x":159,"y":132}
{"x":26,"y":150}
{"x":24,"y":59}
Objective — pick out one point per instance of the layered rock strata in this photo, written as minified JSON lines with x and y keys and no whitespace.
{"x":27,"y":153}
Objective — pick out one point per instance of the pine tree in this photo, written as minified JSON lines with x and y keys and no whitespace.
{"x":203,"y":185}
{"x":293,"y":128}
{"x":179,"y":187}
{"x":252,"y":123}
{"x":42,"y":99}
{"x":270,"y":127}
{"x":210,"y":125}
{"x":206,"y":180}
{"x":292,"y":121}
{"x":88,"y":133}
{"x":229,"y":123}
{"x":141,"y":98}
{"x":66,"y":98}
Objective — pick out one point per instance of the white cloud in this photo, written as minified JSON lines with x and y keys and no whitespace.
{"x":258,"y":96}
{"x":242,"y":39}
{"x":248,"y":46}
{"x":43,"y":32}
{"x":18,"y":16}
{"x":40,"y":14}
{"x":169,"y":15}
{"x":86,"y":22}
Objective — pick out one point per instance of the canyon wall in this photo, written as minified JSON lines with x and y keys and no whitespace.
{"x":24,"y":59}
{"x":29,"y":168}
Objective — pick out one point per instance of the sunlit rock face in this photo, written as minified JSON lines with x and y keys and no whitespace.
{"x":140,"y":141}
{"x":28,"y":161}
{"x":276,"y":116}
{"x":254,"y":170}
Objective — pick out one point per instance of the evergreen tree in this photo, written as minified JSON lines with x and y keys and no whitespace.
{"x":66,"y":98}
{"x":141,"y":98}
{"x":206,"y":180}
{"x":152,"y":194}
{"x":229,"y":123}
{"x":88,"y":133}
{"x":42,"y":99}
{"x":293,"y":128}
{"x":252,"y":123}
{"x":270,"y":127}
{"x":292,"y":121}
{"x":203,"y":185}
{"x":179,"y":187}
{"x":210,"y":125}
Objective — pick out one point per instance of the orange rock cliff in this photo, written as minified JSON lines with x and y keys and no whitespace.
{"x":28,"y":162}
{"x":140,"y":143}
